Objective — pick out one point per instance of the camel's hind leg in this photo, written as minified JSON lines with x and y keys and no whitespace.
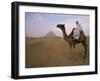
{"x":85,"y":47}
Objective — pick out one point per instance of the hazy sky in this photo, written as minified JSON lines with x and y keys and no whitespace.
{"x":39,"y":24}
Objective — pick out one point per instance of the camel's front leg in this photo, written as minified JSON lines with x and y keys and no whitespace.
{"x":71,"y":47}
{"x":72,"y":50}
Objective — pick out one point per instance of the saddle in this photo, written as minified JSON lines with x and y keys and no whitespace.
{"x":81,"y":38}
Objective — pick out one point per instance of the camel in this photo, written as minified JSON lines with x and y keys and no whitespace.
{"x":69,"y":38}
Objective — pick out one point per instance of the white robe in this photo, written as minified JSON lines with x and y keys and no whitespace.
{"x":76,"y":34}
{"x":77,"y":31}
{"x":79,"y":27}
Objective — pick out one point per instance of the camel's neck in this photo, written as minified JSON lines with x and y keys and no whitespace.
{"x":64,"y":34}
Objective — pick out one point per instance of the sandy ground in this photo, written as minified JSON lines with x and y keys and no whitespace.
{"x":51,"y":52}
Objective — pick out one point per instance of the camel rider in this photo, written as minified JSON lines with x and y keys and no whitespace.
{"x":77,"y":31}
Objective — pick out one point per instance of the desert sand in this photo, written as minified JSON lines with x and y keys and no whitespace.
{"x":52,"y":52}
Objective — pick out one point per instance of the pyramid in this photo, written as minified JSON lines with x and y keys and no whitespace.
{"x":50,"y":34}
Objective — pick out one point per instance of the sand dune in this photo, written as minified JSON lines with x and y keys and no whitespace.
{"x":54,"y":51}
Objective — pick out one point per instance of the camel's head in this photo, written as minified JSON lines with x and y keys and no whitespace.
{"x":61,"y":26}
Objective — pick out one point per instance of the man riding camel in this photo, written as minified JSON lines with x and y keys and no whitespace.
{"x":77,"y":31}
